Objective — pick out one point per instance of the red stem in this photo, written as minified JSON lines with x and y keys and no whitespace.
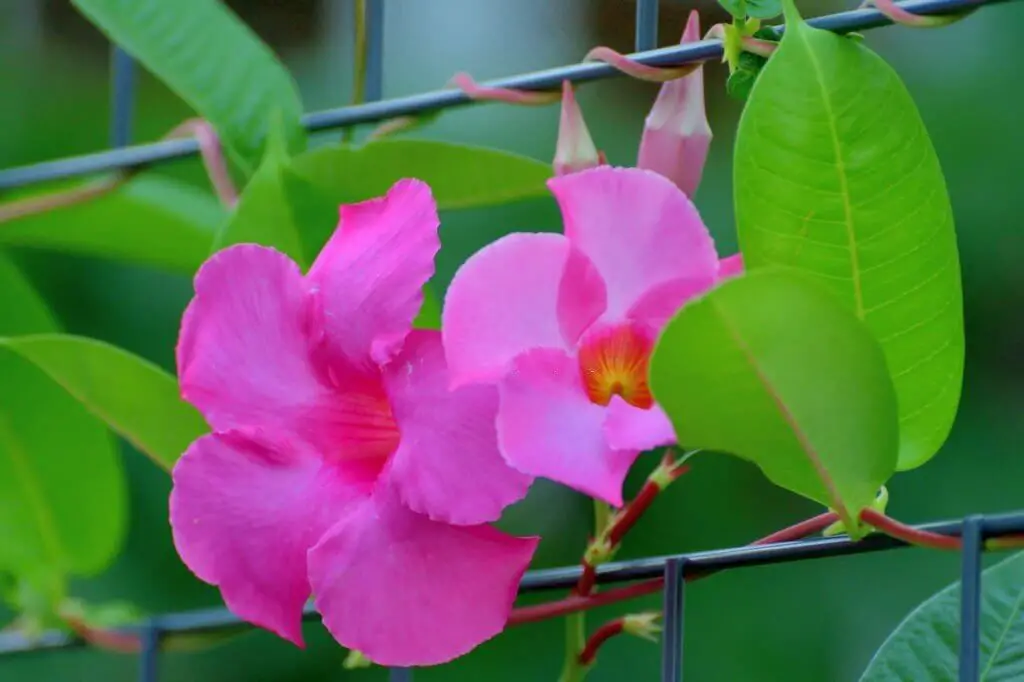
{"x":909,"y":534}
{"x":576,"y":602}
{"x":119,"y":642}
{"x":600,"y":636}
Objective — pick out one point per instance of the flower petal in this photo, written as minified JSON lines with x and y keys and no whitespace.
{"x":730,"y":266}
{"x":521,"y":292}
{"x":631,"y":428}
{"x":243,"y":515}
{"x":447,"y":465}
{"x":369,"y":278}
{"x":243,"y":354}
{"x":405,"y":590}
{"x":638,"y":229}
{"x":548,"y":427}
{"x":656,"y":307}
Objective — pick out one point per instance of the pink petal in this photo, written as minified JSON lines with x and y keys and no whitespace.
{"x":405,"y":590}
{"x":523,"y":291}
{"x":243,"y":354}
{"x":676,"y":133}
{"x":448,"y":465}
{"x":637,"y":228}
{"x":244,"y":513}
{"x":548,"y":427}
{"x":631,"y":428}
{"x":731,"y":266}
{"x":661,"y":303}
{"x":368,"y":280}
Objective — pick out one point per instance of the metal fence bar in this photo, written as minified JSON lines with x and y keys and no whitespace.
{"x":374,"y":88}
{"x":149,"y":653}
{"x":220,"y":619}
{"x":122,"y":96}
{"x":646,"y":25}
{"x":970,"y":598}
{"x":673,"y":597}
{"x":143,"y":155}
{"x":400,"y":675}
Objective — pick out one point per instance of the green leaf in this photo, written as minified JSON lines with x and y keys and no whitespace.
{"x":152,"y":221}
{"x":281,"y":210}
{"x":292,"y":205}
{"x":460,"y":176}
{"x":924,"y":646}
{"x":213,"y":61}
{"x":61,"y":484}
{"x":757,"y":9}
{"x":771,"y":368}
{"x":836,"y":177}
{"x":137,"y":399}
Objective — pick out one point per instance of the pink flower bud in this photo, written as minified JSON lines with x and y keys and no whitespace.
{"x":575,"y":150}
{"x":676,"y":133}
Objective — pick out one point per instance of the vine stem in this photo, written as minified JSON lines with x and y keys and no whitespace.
{"x":909,"y":534}
{"x":576,"y":603}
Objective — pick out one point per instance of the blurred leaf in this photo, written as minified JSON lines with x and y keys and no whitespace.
{"x":213,"y":61}
{"x":137,"y":399}
{"x":152,"y":220}
{"x":62,"y":493}
{"x":281,"y":210}
{"x":460,"y":176}
{"x":771,"y":368}
{"x":429,"y":316}
{"x":758,"y":9}
{"x":835,"y":176}
{"x":924,"y":648}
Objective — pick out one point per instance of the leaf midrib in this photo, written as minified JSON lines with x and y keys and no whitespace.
{"x":844,"y":187}
{"x":1002,"y":636}
{"x":805,"y":445}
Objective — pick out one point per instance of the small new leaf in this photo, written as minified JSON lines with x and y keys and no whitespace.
{"x":755,"y":9}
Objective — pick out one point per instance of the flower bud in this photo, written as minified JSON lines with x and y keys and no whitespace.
{"x":676,"y":133}
{"x":575,"y":150}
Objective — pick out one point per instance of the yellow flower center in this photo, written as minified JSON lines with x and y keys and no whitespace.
{"x":613,"y":361}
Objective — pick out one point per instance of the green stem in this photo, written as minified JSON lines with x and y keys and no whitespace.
{"x":602,"y":512}
{"x":575,"y":640}
{"x":359,"y":71}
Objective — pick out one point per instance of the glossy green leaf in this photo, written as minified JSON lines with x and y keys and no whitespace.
{"x":152,"y":221}
{"x":924,"y":648}
{"x":771,"y":368}
{"x":280,"y":209}
{"x":460,"y":176}
{"x":62,"y":492}
{"x":213,"y":61}
{"x":835,"y":176}
{"x":137,"y":399}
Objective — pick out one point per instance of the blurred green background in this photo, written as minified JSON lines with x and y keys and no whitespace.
{"x":811,"y":622}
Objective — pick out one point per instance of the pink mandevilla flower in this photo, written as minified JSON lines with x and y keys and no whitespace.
{"x":564,"y":324}
{"x":340,"y":463}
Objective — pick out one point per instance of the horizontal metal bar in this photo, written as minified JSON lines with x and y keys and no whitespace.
{"x":147,"y":154}
{"x":217,"y":619}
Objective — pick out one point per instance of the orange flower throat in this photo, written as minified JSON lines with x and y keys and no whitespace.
{"x":613,"y":361}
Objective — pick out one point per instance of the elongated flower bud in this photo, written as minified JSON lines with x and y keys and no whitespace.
{"x":676,"y":133}
{"x":575,"y":150}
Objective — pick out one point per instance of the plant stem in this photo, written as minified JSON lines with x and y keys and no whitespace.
{"x":575,"y":641}
{"x":359,"y":68}
{"x":909,"y":534}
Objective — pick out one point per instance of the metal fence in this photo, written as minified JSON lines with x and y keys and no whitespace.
{"x":675,"y":570}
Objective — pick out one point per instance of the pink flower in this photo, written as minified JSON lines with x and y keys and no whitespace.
{"x":564,"y":325}
{"x":676,"y":133}
{"x":341,"y":464}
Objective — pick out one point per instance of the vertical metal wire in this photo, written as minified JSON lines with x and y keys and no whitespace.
{"x":400,"y":675}
{"x":149,"y":652}
{"x":672,"y":614}
{"x":970,"y":598}
{"x":374,"y":50}
{"x":122,"y":96}
{"x":646,"y":25}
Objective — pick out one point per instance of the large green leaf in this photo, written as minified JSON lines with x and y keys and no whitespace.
{"x":835,"y":176}
{"x":152,"y":220}
{"x":460,"y":176}
{"x":212,"y":61}
{"x":771,"y":368}
{"x":137,"y":399}
{"x":62,"y":493}
{"x":924,"y":647}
